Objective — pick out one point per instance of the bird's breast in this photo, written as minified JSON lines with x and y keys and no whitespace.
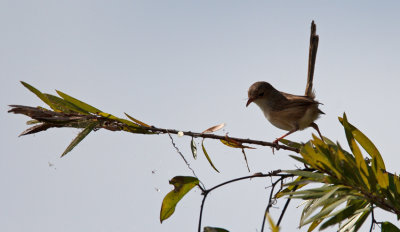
{"x":311,"y":114}
{"x":276,"y":118}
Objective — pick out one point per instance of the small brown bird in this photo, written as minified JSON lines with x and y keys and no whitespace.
{"x":286,"y":111}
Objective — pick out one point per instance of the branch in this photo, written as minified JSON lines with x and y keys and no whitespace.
{"x":270,"y":202}
{"x":205,"y":192}
{"x":52,"y":119}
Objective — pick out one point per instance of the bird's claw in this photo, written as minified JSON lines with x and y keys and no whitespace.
{"x":276,"y":145}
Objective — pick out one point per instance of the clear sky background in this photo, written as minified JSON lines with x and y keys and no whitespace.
{"x":184,"y":65}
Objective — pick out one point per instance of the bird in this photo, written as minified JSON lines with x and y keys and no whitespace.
{"x":287,"y":111}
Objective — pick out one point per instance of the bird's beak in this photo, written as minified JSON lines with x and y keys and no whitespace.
{"x":249,"y":101}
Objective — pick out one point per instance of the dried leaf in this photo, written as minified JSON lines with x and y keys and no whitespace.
{"x":213,"y":128}
{"x":233,"y":143}
{"x":193,"y":147}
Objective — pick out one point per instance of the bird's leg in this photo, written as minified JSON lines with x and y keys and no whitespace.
{"x":278,"y":139}
{"x":315,"y":126}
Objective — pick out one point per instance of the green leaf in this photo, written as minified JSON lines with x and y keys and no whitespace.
{"x":291,"y":188}
{"x":355,"y":222}
{"x":362,"y":216}
{"x":319,"y":202}
{"x":326,"y":210}
{"x":136,"y":121}
{"x":389,"y":227}
{"x":62,"y":105}
{"x":182,"y":185}
{"x":193,"y":147}
{"x":79,"y":103}
{"x":301,"y":160}
{"x":328,"y":141}
{"x":80,"y":137}
{"x":314,"y":225}
{"x":342,"y":214}
{"x":291,"y":143}
{"x":309,"y":174}
{"x":214,"y":229}
{"x":361,"y":165}
{"x":207,"y":156}
{"x":274,"y":227}
{"x":38,"y":94}
{"x":377,"y":161}
{"x":309,"y":154}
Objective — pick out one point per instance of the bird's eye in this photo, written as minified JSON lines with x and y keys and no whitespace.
{"x":261,"y":94}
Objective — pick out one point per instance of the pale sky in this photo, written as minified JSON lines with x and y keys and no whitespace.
{"x":185,"y":65}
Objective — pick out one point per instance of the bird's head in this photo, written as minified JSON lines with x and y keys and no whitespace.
{"x":258,"y":90}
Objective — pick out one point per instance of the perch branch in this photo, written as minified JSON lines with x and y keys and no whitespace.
{"x":51,"y":119}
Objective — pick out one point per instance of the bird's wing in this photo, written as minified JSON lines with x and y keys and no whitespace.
{"x":297,"y":100}
{"x":314,"y":38}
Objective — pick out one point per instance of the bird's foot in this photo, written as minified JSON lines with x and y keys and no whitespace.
{"x":276,"y":145}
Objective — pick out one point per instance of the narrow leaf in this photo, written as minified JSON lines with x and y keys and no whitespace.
{"x":62,"y":105}
{"x":342,"y":214}
{"x":182,"y":185}
{"x":136,"y":121}
{"x":80,"y":137}
{"x":213,"y":128}
{"x":35,"y":129}
{"x":207,"y":156}
{"x":326,"y":210}
{"x":233,"y":143}
{"x":214,"y":229}
{"x":361,"y":219}
{"x":365,"y":142}
{"x":361,"y":165}
{"x":389,"y":227}
{"x":274,"y":227}
{"x":291,"y":187}
{"x":193,"y":147}
{"x":308,"y":174}
{"x":291,"y":143}
{"x":32,"y":122}
{"x":38,"y":94}
{"x":319,"y":202}
{"x":301,"y":160}
{"x":314,"y":225}
{"x":79,"y":103}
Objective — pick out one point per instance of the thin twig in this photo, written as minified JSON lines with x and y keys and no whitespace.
{"x":184,"y":159}
{"x":270,"y":202}
{"x":373,"y":221}
{"x":245,"y":158}
{"x":286,"y":206}
{"x":207,"y":191}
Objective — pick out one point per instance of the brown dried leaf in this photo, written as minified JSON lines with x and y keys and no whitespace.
{"x":213,"y":128}
{"x":233,"y":143}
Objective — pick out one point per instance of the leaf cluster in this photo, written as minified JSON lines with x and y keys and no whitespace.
{"x":67,"y":111}
{"x":352,"y":185}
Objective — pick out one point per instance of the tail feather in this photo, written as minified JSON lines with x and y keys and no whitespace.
{"x":314,"y":39}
